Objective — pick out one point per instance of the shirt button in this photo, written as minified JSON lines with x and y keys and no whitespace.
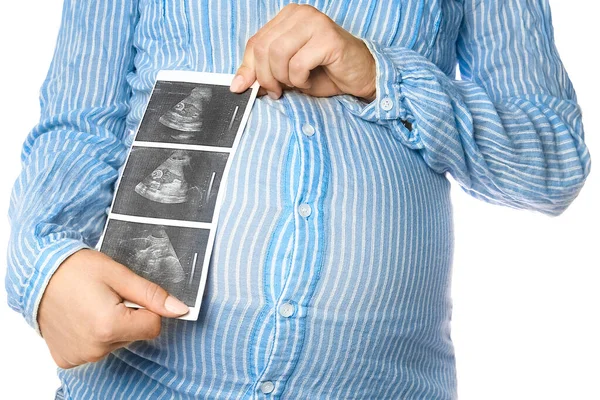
{"x":387,"y":104}
{"x":267,"y":387}
{"x":286,"y":310}
{"x":304,"y":210}
{"x":308,"y":129}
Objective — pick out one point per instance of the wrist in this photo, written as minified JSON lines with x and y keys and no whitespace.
{"x":368,"y":92}
{"x":47,"y":263}
{"x":371,"y":89}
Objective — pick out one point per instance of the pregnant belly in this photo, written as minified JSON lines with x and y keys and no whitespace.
{"x":332,"y":256}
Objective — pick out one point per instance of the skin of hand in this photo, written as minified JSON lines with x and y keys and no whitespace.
{"x":303,"y":48}
{"x":82,"y":316}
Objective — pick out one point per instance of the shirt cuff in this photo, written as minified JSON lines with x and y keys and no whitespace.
{"x":47,"y":262}
{"x":388,"y":106}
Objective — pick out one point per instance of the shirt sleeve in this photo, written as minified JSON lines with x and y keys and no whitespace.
{"x":70,"y":159}
{"x":510,"y":131}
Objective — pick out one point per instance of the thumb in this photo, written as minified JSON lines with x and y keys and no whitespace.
{"x":133,"y":287}
{"x":246,"y":73}
{"x":244,"y":78}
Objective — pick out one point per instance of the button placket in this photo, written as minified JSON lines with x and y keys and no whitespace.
{"x":290,"y":321}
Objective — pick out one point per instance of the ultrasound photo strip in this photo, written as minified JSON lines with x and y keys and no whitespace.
{"x":163,"y":218}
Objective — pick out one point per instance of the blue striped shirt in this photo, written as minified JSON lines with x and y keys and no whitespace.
{"x":353,"y":300}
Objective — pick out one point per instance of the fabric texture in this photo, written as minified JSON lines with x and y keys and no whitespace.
{"x":366,"y":275}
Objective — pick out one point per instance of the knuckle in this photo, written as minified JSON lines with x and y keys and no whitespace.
{"x":298,"y":83}
{"x":307,"y":7}
{"x":63,"y":364}
{"x":324,"y":19}
{"x":103,"y":332}
{"x":309,"y":10}
{"x":317,"y":16}
{"x":103,"y":329}
{"x":60,"y":362}
{"x":260,"y":50}
{"x":277,"y":50}
{"x":95,"y":354}
{"x":282,"y":79}
{"x":252,"y":42}
{"x":333,"y":37}
{"x":267,"y":80}
{"x":296,"y":65}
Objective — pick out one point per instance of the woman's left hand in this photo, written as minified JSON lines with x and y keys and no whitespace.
{"x":303,"y":48}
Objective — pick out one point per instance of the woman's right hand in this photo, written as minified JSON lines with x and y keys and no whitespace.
{"x":82,"y":317}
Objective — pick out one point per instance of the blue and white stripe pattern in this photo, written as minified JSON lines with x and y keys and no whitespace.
{"x":330,"y":277}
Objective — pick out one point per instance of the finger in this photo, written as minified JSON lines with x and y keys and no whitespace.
{"x":141,"y":291}
{"x":263,"y":92}
{"x":321,"y":84}
{"x":274,"y":49}
{"x":246,"y":73}
{"x":265,"y":48}
{"x":263,"y":70}
{"x":309,"y":57}
{"x":135,"y":324}
{"x":284,"y":47}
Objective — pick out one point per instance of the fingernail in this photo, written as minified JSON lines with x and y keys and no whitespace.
{"x":272,"y":95}
{"x":237,"y":83}
{"x":175,"y":306}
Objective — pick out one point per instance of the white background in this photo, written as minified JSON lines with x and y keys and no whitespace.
{"x":525,"y":286}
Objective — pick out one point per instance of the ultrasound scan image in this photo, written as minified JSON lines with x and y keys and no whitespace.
{"x":170,"y":184}
{"x":171,"y":257}
{"x":193,"y":113}
{"x":186,"y":116}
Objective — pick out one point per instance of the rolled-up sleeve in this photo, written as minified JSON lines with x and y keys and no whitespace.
{"x":71,"y":158}
{"x":510,"y":130}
